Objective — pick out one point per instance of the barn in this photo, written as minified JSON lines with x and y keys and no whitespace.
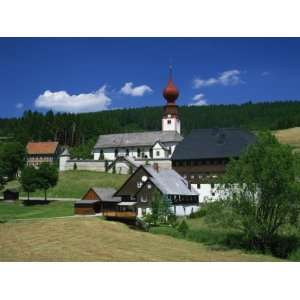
{"x":96,"y":200}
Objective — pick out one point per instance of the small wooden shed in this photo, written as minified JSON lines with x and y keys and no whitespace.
{"x":10,"y":195}
{"x":87,"y":207}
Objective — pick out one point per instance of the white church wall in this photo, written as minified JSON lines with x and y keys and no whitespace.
{"x":171,"y":124}
{"x":87,"y":165}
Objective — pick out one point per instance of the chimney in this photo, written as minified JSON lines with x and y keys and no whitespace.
{"x":156,"y":167}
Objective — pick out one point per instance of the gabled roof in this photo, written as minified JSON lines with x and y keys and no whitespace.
{"x":105,"y":194}
{"x":41,"y":148}
{"x":169,"y":182}
{"x":128,"y":159}
{"x":214,"y":143}
{"x":147,"y":138}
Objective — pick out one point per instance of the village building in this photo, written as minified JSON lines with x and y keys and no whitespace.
{"x":152,"y":146}
{"x":96,"y":200}
{"x":148,"y":181}
{"x":202,"y":156}
{"x":41,"y":152}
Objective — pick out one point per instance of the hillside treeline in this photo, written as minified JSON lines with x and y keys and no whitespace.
{"x":79,"y":129}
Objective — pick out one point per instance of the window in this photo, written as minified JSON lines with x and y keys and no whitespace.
{"x":149,"y":186}
{"x":198,"y":186}
{"x":169,"y":121}
{"x":127,"y":152}
{"x":139,"y":184}
{"x":116,"y":153}
{"x":157,"y":153}
{"x":139,"y":152}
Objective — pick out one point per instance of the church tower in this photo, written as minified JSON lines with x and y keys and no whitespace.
{"x":170,"y":119}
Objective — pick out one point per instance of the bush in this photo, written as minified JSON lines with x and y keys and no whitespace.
{"x":201,"y":212}
{"x":295,"y":255}
{"x":183,"y":228}
{"x":166,"y":230}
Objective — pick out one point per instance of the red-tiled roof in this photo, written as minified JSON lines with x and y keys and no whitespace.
{"x":41,"y":147}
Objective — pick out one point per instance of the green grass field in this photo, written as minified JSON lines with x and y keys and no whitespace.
{"x":93,"y":239}
{"x":12,"y":211}
{"x":73,"y":184}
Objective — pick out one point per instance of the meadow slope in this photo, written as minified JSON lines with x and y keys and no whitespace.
{"x":93,"y":239}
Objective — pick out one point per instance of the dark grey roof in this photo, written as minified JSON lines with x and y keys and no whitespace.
{"x":147,"y":138}
{"x":213,"y":143}
{"x":169,"y":182}
{"x":106,"y":194}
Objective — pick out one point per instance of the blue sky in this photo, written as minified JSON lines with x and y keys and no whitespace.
{"x":91,"y":74}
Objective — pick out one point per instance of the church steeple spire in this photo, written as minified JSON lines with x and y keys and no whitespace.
{"x":170,"y":121}
{"x":170,"y":92}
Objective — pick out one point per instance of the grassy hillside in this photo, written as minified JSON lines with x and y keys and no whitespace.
{"x":289,"y":136}
{"x":92,"y":239}
{"x":73,"y":184}
{"x":11,"y":211}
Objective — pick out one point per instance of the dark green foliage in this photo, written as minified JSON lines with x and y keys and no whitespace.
{"x":47,"y":177}
{"x":183,"y":228}
{"x":114,"y":169}
{"x":83,"y":151}
{"x":82,"y":129}
{"x":29,"y":180}
{"x":12,"y":158}
{"x":261,"y":197}
{"x":106,"y":166}
{"x":160,"y":211}
{"x":201,"y":212}
{"x":2,"y":175}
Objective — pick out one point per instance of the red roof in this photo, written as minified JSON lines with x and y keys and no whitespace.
{"x":41,"y":147}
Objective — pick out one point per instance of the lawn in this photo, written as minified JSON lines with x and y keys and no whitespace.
{"x":93,"y":239}
{"x":74,"y":184}
{"x":11,"y":211}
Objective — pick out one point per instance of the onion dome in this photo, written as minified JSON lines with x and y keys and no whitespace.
{"x":170,"y":92}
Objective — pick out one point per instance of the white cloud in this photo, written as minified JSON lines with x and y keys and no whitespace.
{"x":19,"y":105}
{"x":266,"y":73}
{"x":198,"y":100}
{"x":230,"y":77}
{"x":64,"y":102}
{"x":137,"y":91}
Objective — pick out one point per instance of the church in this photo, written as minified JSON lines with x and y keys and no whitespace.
{"x":152,"y":146}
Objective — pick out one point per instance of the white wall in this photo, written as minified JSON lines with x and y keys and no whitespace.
{"x":206,"y":192}
{"x":173,"y":126}
{"x":109,"y":153}
{"x":159,"y":152}
{"x":179,"y":210}
{"x":87,"y":165}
